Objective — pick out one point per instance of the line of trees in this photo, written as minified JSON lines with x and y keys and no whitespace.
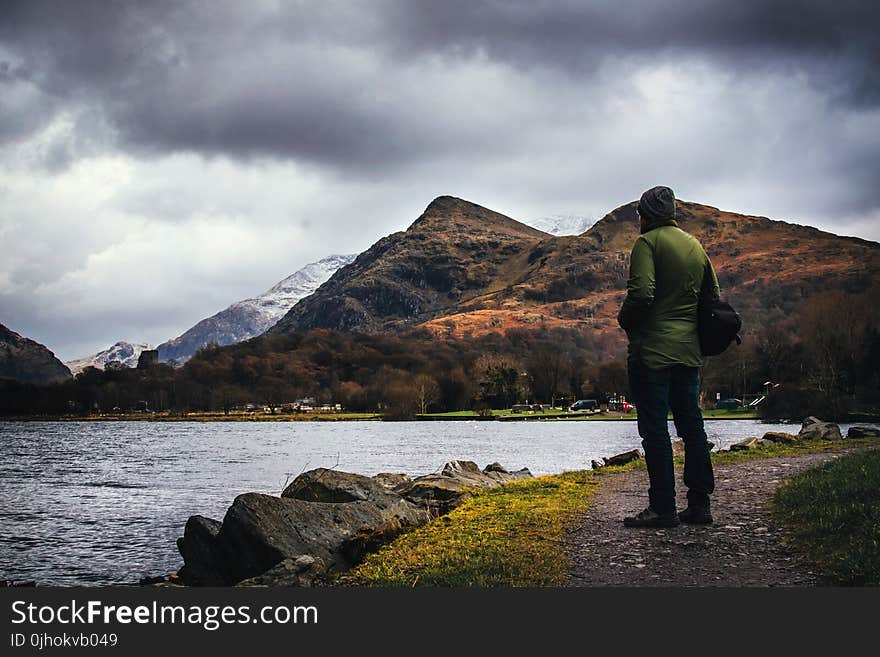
{"x":825,"y":358}
{"x":398,"y":375}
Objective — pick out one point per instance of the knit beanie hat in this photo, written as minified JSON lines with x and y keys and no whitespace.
{"x":657,"y":204}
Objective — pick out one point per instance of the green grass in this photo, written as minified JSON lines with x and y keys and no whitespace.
{"x":832,"y":513}
{"x":507,"y":537}
{"x":724,"y":414}
{"x":467,"y":413}
{"x":793,"y":449}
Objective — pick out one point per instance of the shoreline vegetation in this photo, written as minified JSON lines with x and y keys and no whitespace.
{"x":503,"y":415}
{"x":832,"y":514}
{"x":513,"y":536}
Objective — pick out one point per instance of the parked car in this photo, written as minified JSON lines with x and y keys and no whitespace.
{"x":585,"y":405}
{"x":729,"y":404}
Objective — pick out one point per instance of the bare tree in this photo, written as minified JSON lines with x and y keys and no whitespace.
{"x":427,"y":391}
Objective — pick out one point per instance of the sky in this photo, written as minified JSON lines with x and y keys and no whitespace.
{"x":161,"y":160}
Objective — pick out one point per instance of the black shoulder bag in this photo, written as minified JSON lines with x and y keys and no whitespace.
{"x":718,"y":324}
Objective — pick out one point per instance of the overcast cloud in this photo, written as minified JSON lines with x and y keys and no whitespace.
{"x":159,"y":161}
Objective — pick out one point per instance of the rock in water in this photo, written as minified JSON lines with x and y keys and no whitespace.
{"x":863,"y":432}
{"x":198,"y":547}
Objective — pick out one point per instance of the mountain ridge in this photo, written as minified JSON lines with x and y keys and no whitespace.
{"x":249,"y":318}
{"x":28,"y":361}
{"x":461,"y":269}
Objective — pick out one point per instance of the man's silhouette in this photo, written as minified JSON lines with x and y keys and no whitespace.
{"x":669,"y":271}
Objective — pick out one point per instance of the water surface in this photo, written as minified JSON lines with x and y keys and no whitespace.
{"x":99,"y":503}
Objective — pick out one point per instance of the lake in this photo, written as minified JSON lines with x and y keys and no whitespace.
{"x":103,"y":503}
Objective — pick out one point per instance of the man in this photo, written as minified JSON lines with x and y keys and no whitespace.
{"x":669,"y":271}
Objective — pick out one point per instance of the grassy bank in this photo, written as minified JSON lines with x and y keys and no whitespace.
{"x":508,"y":536}
{"x":513,"y":536}
{"x":832,"y":513}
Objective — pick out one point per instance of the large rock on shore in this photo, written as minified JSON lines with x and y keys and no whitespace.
{"x":259,"y":531}
{"x":325,"y":520}
{"x":198,"y":547}
{"x":333,"y":486}
{"x":302,"y":571}
{"x":815,"y":429}
{"x":624,"y":458}
{"x":746,"y":444}
{"x":440,"y":493}
{"x":780,"y":437}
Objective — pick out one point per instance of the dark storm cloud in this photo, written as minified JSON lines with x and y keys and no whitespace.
{"x":311,"y":81}
{"x":836,"y":42}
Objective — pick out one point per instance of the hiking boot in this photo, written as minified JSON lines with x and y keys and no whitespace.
{"x":696,"y":515}
{"x":650,"y":518}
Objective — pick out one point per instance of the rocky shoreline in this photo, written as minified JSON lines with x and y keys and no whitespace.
{"x":812,"y":428}
{"x":324,"y":522}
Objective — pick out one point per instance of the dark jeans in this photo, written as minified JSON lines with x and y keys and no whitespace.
{"x":654,"y":393}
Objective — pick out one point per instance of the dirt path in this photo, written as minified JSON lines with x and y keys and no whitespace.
{"x":742,"y":548}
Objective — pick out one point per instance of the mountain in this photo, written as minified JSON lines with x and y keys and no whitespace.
{"x":461,"y":269}
{"x":251,"y":317}
{"x":27,"y":361}
{"x":454,"y":253}
{"x":562,"y":224}
{"x":124,"y":353}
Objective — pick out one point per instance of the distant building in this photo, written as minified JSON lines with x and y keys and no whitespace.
{"x":148,"y":358}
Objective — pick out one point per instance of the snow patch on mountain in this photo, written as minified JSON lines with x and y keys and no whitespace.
{"x":252,"y":317}
{"x":561,"y":224}
{"x":126,"y":353}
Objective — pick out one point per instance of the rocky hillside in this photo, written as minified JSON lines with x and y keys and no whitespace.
{"x":27,"y":361}
{"x":461,"y":269}
{"x":453,"y":254}
{"x":251,"y":317}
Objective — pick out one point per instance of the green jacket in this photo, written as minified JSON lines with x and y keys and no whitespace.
{"x":669,"y":270}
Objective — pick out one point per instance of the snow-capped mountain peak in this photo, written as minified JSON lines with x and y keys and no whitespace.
{"x":562,"y":224}
{"x":252,"y":317}
{"x":126,"y":353}
{"x":281,"y":297}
